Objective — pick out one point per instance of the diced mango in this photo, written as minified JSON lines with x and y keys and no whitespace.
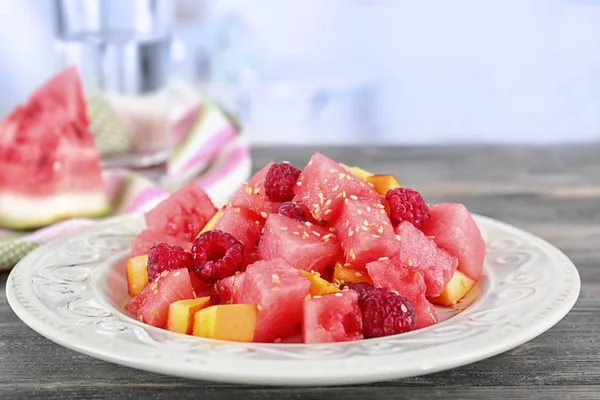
{"x":212,"y":222}
{"x":137,"y":274}
{"x":457,"y":288}
{"x":318,"y":285}
{"x":181,"y":314}
{"x":383,"y":183}
{"x":343,"y":274}
{"x":359,"y":172}
{"x":235,"y":322}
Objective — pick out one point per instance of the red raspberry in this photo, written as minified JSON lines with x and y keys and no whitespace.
{"x":280,"y":181}
{"x":163,"y":257}
{"x":384,"y":312}
{"x":216,"y":255}
{"x":407,"y":205}
{"x":291,"y":210}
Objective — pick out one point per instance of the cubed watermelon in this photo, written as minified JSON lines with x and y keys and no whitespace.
{"x":417,"y":250}
{"x":304,"y":245}
{"x":365,"y":232}
{"x":242,"y":224}
{"x":324,"y":184}
{"x":251,"y":195}
{"x":147,"y":238}
{"x":228,"y":288}
{"x":408,"y":282}
{"x":183,"y":214}
{"x":279,"y":290}
{"x":453,"y":229}
{"x":171,"y":286}
{"x":333,"y":317}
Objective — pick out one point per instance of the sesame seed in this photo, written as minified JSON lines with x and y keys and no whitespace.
{"x":347,"y":265}
{"x":328,"y":211}
{"x":232,"y":280}
{"x":275,"y":288}
{"x":316,"y":205}
{"x":375,"y":236}
{"x":338,"y":196}
{"x":378,"y":205}
{"x":341,"y":175}
{"x":359,"y":212}
{"x":317,"y":234}
{"x":321,"y":197}
{"x":345,"y":201}
{"x":393,"y":291}
{"x":357,"y":274}
{"x":256,"y":190}
{"x":364,"y":228}
{"x":409,"y":262}
{"x":296,"y":233}
{"x":347,"y":223}
{"x":357,"y":228}
{"x":353,"y":256}
{"x":332,"y":170}
{"x":382,"y":212}
{"x":325,"y":181}
{"x":277,"y":340}
{"x":343,"y":193}
{"x":285,"y":162}
{"x":299,"y":183}
{"x":304,"y":235}
{"x":283,"y":228}
{"x":237,"y":272}
{"x":236,"y":210}
{"x":353,"y":197}
{"x":299,"y":226}
{"x":177,"y":273}
{"x":259,"y":307}
{"x":398,"y":238}
{"x":380,"y":229}
{"x":368,"y":208}
{"x":257,"y":222}
{"x":366,"y":223}
{"x":350,"y":232}
{"x":153,"y":310}
{"x":403,"y":308}
{"x":370,"y":191}
{"x":264,"y":214}
{"x":248,"y":190}
{"x":431,"y":237}
{"x":338,"y":295}
{"x":335,"y":188}
{"x":332,"y":229}
{"x":317,"y":210}
{"x":317,"y":297}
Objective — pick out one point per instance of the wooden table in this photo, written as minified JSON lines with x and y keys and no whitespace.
{"x":552,"y":192}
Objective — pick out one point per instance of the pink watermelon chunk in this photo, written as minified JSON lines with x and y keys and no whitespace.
{"x":453,"y":229}
{"x":228,"y":288}
{"x":49,"y":165}
{"x":242,"y":224}
{"x":304,"y":245}
{"x":332,"y":318}
{"x":279,"y":289}
{"x":251,"y":196}
{"x":417,"y":250}
{"x":157,"y":296}
{"x":407,"y":282}
{"x":183,"y":214}
{"x":324,"y":184}
{"x":147,"y":238}
{"x":365,"y":232}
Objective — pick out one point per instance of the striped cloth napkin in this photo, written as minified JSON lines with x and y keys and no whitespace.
{"x":209,"y":148}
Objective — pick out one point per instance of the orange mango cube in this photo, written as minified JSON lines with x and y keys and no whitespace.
{"x":137,"y":274}
{"x":359,"y":172}
{"x":181,"y":314}
{"x":383,"y":183}
{"x":318,"y":285}
{"x":457,"y":288}
{"x":235,"y":322}
{"x":343,"y":274}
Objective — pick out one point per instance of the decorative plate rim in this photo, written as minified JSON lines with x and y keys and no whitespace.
{"x":529,"y":286}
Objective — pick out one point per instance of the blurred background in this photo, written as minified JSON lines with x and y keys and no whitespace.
{"x":365,"y":71}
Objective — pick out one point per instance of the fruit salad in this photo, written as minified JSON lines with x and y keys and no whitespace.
{"x":329,"y":253}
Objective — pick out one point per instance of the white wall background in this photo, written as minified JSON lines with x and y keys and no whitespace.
{"x":405,"y":71}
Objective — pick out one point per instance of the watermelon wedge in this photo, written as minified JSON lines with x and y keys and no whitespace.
{"x":49,"y":165}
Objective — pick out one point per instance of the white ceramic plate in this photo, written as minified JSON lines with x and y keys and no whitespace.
{"x":73,"y":292}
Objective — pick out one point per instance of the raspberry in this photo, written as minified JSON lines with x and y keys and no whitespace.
{"x":163,"y":257}
{"x":384,"y":312}
{"x":407,"y":205}
{"x":280,"y":181}
{"x":291,"y":210}
{"x":216,"y":255}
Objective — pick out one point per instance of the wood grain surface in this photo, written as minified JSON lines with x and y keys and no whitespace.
{"x":553,"y":192}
